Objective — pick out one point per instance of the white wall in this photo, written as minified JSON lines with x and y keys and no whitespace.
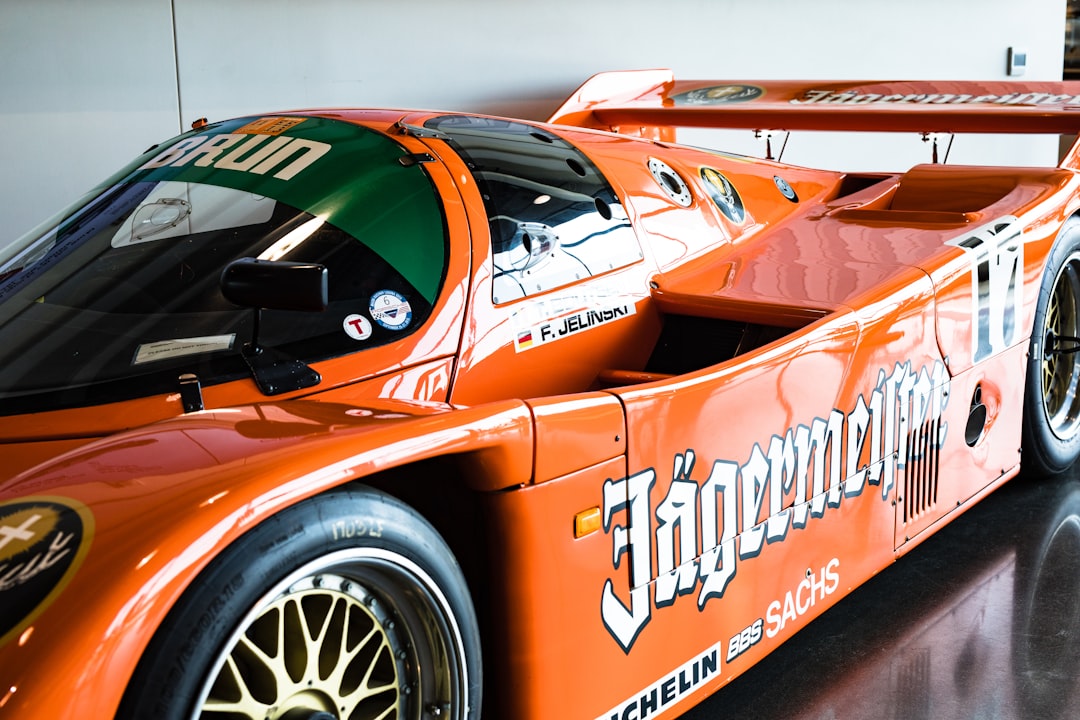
{"x":85,"y":85}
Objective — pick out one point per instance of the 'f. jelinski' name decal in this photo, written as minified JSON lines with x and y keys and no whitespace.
{"x":696,"y":525}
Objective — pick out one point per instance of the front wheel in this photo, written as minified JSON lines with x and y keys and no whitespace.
{"x":348,"y":606}
{"x":1051,"y":437}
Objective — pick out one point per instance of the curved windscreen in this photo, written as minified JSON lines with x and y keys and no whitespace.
{"x":123,"y":294}
{"x":553,"y":217}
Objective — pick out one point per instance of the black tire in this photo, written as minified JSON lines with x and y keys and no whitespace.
{"x":347,"y":605}
{"x":1051,"y":434}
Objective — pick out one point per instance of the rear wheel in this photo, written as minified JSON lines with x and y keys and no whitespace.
{"x":1051,"y":439}
{"x":347,"y":606}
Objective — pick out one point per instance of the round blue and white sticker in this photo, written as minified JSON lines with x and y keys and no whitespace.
{"x":390,"y":309}
{"x":357,"y":327}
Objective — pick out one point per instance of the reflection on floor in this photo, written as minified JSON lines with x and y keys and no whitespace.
{"x":981,"y":621}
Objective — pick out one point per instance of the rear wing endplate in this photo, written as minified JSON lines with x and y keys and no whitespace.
{"x":652,"y":103}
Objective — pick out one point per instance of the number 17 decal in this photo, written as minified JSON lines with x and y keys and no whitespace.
{"x":996,"y":252}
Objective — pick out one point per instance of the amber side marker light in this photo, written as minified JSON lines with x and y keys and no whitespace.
{"x":586,"y":522}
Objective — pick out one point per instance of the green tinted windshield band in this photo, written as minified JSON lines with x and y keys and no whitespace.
{"x":344,"y":173}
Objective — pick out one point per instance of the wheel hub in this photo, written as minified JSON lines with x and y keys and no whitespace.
{"x":305,"y":714}
{"x":308,"y":706}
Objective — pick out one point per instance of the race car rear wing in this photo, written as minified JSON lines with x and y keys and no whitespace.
{"x":651,"y":103}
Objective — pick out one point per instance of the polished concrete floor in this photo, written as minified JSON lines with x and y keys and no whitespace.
{"x":981,"y":621}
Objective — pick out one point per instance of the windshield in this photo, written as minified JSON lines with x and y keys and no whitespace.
{"x":122,"y":295}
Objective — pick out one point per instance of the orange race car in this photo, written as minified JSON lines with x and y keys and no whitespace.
{"x":368,"y":413}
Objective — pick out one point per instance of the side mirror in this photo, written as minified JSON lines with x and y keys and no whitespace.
{"x":276,"y":285}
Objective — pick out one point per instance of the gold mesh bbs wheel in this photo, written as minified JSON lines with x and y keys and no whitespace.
{"x":328,"y":645}
{"x":1060,"y":363}
{"x":369,"y":618}
{"x":1051,"y":430}
{"x":324,"y":645}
